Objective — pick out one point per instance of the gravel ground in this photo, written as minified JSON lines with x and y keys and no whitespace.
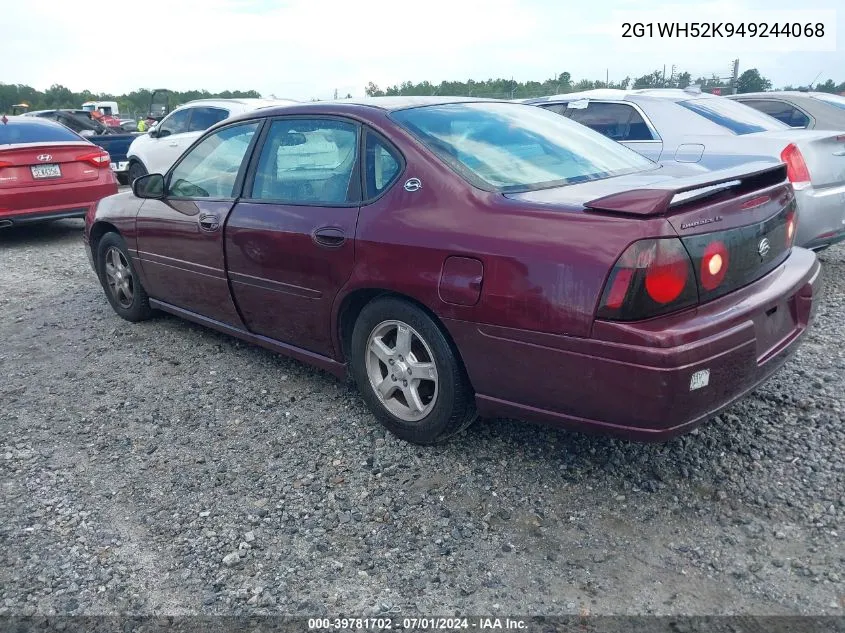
{"x":165,"y":468}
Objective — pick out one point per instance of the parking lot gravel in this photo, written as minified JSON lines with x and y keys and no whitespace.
{"x":165,"y":468}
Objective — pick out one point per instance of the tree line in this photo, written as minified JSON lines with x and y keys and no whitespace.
{"x":135,"y":104}
{"x":749,"y":81}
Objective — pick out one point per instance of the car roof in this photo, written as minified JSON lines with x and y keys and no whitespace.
{"x":386,"y":104}
{"x":30,"y":120}
{"x":781,"y":93}
{"x":610,"y":94}
{"x":252,"y":102}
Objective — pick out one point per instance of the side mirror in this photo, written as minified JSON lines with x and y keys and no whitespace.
{"x":87,"y":133}
{"x":153,"y":132}
{"x":150,"y":186}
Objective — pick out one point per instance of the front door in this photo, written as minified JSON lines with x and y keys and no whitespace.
{"x":290,"y":241}
{"x":180,"y":237}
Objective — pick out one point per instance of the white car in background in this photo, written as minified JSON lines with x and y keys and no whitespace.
{"x":156,"y":151}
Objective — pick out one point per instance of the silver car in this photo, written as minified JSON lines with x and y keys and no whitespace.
{"x":686,"y":126}
{"x":809,"y":110}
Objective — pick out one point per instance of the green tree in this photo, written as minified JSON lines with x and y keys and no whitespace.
{"x":752,"y":81}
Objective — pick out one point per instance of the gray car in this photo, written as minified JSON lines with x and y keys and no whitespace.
{"x":809,"y":110}
{"x":686,"y":126}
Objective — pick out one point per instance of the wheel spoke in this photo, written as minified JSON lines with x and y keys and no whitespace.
{"x":412,"y":395}
{"x":386,"y":387}
{"x":403,"y":340}
{"x":382,"y":351}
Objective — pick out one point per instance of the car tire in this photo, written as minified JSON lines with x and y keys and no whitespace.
{"x":120,"y":281}
{"x":135,"y":171}
{"x":391,"y":339}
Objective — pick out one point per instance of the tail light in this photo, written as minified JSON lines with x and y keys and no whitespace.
{"x":652,"y":277}
{"x":714,"y":265}
{"x":796,"y":168}
{"x":99,"y":159}
{"x":791,"y":220}
{"x":4,"y":163}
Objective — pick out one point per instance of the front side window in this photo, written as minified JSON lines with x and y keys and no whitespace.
{"x":733,"y":116}
{"x":204,"y":118}
{"x":176,"y":123}
{"x":307,"y":161}
{"x":511,"y":147}
{"x":381,"y":165}
{"x":211,"y":169}
{"x":618,"y":121}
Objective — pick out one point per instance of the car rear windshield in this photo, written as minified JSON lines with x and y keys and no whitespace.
{"x":509,"y":147}
{"x":34,"y":131}
{"x":733,"y":116}
{"x":834,"y":100}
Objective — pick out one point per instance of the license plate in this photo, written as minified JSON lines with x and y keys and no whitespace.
{"x":46,"y":171}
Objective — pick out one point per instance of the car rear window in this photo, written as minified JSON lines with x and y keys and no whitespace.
{"x":733,"y":116}
{"x":834,"y":100}
{"x":510,"y":147}
{"x":35,"y":131}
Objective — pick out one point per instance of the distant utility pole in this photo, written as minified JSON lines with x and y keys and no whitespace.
{"x":672,"y":76}
{"x":335,"y":93}
{"x":664,"y":76}
{"x":607,"y":77}
{"x":735,"y":77}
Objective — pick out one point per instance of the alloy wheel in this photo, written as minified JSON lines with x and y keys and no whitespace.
{"x":402,"y":370}
{"x":119,"y":277}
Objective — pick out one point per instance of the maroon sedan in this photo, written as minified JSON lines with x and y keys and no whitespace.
{"x":48,"y":172}
{"x":465,"y":256}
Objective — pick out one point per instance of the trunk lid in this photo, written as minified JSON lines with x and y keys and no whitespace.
{"x":823,"y":152}
{"x":742,"y":215}
{"x":33,"y":165}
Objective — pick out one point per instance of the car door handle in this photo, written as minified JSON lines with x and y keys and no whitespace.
{"x":329,"y":236}
{"x":209,"y":222}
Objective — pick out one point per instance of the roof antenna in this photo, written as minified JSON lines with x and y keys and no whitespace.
{"x":810,"y":86}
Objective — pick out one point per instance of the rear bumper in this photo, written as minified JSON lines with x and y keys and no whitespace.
{"x":636,"y":380}
{"x":821,"y":216}
{"x":9,"y":220}
{"x":40,"y":204}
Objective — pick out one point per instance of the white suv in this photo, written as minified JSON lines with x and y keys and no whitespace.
{"x":155,"y":152}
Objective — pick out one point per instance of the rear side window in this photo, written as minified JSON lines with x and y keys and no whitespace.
{"x":733,"y":116}
{"x":307,"y":162}
{"x":204,"y":118}
{"x":557,"y":108}
{"x":780,"y":110}
{"x":382,"y":165}
{"x":618,"y":121}
{"x":35,"y":131}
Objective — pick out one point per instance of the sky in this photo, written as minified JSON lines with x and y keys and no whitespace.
{"x":304,"y":49}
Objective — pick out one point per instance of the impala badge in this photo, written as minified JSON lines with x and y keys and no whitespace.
{"x":413,"y":184}
{"x":44,"y":157}
{"x":763,"y":247}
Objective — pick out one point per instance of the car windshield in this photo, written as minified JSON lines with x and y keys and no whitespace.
{"x":35,"y":131}
{"x":509,"y":147}
{"x":834,"y":100}
{"x":733,"y":116}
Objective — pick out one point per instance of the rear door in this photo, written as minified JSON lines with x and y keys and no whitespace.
{"x":180,"y":237}
{"x":290,"y":243}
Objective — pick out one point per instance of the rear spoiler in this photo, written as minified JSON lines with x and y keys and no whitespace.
{"x":659,"y":199}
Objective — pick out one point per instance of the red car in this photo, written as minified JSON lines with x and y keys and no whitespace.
{"x":465,"y":256}
{"x":48,"y":172}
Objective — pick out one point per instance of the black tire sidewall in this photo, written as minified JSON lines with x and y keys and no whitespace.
{"x":437,"y":424}
{"x":137,"y":167}
{"x":140,"y":308}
